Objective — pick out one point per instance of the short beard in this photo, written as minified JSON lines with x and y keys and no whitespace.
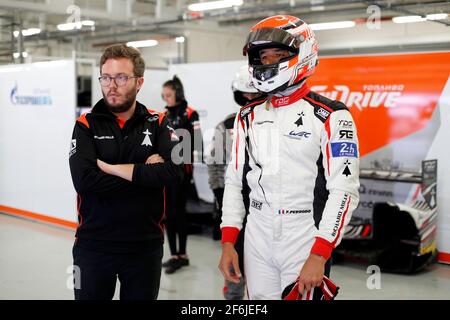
{"x":130,"y":98}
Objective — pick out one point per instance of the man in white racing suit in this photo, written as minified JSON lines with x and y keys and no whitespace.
{"x":296,"y":156}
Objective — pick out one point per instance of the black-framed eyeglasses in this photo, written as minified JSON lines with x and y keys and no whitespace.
{"x":121,"y":80}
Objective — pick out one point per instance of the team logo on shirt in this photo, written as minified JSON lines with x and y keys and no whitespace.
{"x":147,"y":141}
{"x":299,"y":135}
{"x":299,"y":122}
{"x":345,"y":134}
{"x":345,"y":123}
{"x":321,"y":112}
{"x":283,"y":101}
{"x":153,"y":118}
{"x":104,"y":137}
{"x":73,"y":147}
{"x":346,"y":171}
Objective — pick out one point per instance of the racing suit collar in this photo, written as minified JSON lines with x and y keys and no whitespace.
{"x":290,"y":95}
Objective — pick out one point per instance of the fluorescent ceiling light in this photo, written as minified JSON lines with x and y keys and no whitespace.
{"x":317,"y":8}
{"x":69,"y":26}
{"x":16,"y":55}
{"x":408,"y":19}
{"x":333,"y":25}
{"x":179,"y":39}
{"x":142,"y":43}
{"x":27,"y":32}
{"x":212,"y":5}
{"x":88,"y":23}
{"x":437,"y":16}
{"x":75,"y":25}
{"x":31,"y":31}
{"x":316,"y":5}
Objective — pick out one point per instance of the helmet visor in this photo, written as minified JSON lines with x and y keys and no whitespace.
{"x":265,"y":72}
{"x":267,"y":36}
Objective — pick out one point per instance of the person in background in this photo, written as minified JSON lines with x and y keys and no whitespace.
{"x":185,"y":120}
{"x":297,"y":153}
{"x":219,"y":155}
{"x":120,"y":161}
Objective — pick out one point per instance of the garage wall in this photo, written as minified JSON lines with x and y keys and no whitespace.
{"x":36,"y":122}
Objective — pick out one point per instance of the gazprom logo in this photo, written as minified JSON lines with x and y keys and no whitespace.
{"x":33,"y":100}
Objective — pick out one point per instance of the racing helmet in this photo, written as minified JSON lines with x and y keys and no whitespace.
{"x":326,"y":291}
{"x":242,"y":83}
{"x":285,"y":32}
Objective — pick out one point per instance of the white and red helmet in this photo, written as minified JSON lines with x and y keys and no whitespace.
{"x":327,"y":290}
{"x":285,"y":32}
{"x":242,"y":83}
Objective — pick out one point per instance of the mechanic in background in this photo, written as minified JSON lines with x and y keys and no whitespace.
{"x":185,"y":120}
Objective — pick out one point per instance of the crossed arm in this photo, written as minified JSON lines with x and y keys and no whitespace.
{"x":85,"y":164}
{"x":125,"y":171}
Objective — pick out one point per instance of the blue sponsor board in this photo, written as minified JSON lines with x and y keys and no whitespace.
{"x":31,"y":100}
{"x":344,"y":149}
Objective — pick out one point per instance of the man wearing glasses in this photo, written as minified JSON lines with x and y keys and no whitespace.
{"x":120,"y":161}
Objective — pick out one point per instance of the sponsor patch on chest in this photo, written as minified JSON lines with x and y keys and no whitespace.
{"x":104,"y":137}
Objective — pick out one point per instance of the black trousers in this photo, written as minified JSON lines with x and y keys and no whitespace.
{"x":176,"y":219}
{"x":96,"y":274}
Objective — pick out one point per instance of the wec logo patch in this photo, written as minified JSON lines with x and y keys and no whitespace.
{"x":298,"y":134}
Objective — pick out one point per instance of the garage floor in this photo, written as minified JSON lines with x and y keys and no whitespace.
{"x":35,"y":262}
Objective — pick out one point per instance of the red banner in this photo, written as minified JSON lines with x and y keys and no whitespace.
{"x":389,"y":96}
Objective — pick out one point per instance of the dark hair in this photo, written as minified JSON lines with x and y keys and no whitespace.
{"x":122,"y":51}
{"x":176,"y":85}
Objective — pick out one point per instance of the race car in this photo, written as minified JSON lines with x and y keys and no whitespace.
{"x":394,"y":226}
